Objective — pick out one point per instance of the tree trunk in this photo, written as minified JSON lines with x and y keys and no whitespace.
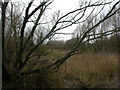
{"x":5,"y":74}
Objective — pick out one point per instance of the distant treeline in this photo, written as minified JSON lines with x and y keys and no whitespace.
{"x":105,"y":44}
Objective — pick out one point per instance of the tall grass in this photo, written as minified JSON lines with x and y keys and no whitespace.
{"x":87,"y":70}
{"x":95,"y":70}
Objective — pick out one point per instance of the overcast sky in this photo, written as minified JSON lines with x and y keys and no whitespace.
{"x":64,"y":6}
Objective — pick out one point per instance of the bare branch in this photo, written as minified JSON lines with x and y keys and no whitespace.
{"x":61,"y":60}
{"x":64,"y":33}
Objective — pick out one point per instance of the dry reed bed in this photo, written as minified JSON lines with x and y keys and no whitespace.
{"x":94,"y":70}
{"x":87,"y":69}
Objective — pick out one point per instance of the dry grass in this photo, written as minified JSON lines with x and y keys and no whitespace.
{"x":87,"y":70}
{"x":94,"y":69}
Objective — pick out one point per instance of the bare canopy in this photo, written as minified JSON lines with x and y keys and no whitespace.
{"x":23,"y":51}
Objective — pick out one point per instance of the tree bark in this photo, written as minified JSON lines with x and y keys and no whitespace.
{"x":5,"y":74}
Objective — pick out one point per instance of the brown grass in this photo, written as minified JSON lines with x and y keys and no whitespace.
{"x":87,"y":70}
{"x":95,"y":69}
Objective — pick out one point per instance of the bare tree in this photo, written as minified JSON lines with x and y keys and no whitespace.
{"x":5,"y":72}
{"x":58,"y":23}
{"x":103,"y":28}
{"x":80,"y":39}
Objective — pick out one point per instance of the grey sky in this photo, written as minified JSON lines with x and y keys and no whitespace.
{"x":64,"y":6}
